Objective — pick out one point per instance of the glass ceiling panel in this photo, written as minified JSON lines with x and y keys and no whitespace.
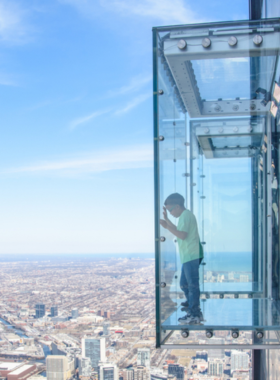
{"x":233,"y":141}
{"x":231,"y":78}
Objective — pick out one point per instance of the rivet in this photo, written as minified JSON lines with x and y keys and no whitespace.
{"x":232,"y":41}
{"x":257,"y":40}
{"x":209,"y":334}
{"x":182,"y":44}
{"x":206,"y":42}
{"x":185,"y":333}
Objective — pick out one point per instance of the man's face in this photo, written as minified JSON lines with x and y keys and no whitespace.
{"x":173,"y":210}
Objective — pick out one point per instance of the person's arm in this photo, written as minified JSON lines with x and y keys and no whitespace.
{"x":166,"y":223}
{"x":179,"y":234}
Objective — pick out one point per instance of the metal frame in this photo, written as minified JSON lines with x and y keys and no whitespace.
{"x":269,"y":210}
{"x":183,"y":74}
{"x":206,"y":130}
{"x":221,"y":346}
{"x":156,"y":185}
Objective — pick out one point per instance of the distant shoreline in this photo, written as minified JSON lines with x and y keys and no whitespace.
{"x":230,"y":258}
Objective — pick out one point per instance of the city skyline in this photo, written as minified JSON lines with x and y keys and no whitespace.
{"x":116,"y":305}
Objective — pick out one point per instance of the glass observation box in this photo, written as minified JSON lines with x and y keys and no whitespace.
{"x":216,"y":144}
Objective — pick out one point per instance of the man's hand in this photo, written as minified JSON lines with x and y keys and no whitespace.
{"x":165,"y":213}
{"x":163,"y":223}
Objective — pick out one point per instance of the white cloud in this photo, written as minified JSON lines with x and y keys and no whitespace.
{"x":175,"y":11}
{"x":133,"y":103}
{"x":13,"y":27}
{"x":85,"y":119}
{"x":135,"y":84}
{"x":125,"y":158}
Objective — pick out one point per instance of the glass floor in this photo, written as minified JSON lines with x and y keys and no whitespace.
{"x":231,"y":288}
{"x":226,"y":314}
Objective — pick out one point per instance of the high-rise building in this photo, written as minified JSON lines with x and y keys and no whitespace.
{"x":179,"y":54}
{"x":128,"y":374}
{"x":176,"y":370}
{"x":108,"y":371}
{"x":141,"y":373}
{"x":144,"y":357}
{"x":215,"y":367}
{"x":75,"y":313}
{"x":57,"y":367}
{"x":85,"y":368}
{"x":54,"y":311}
{"x":106,"y":329}
{"x":95,"y":349}
{"x":239,"y":360}
{"x":40,"y":310}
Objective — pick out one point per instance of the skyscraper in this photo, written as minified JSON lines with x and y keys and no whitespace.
{"x":239,"y":360}
{"x":106,"y":328}
{"x":141,"y":373}
{"x":95,"y":349}
{"x":128,"y":374}
{"x":54,"y":311}
{"x":143,"y":357}
{"x":215,"y":367}
{"x":85,"y":367}
{"x":108,"y":371}
{"x":40,"y":310}
{"x":57,"y":367}
{"x":75,"y":313}
{"x":177,"y":371}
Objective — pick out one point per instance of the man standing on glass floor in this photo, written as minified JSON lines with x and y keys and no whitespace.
{"x":191,"y":254}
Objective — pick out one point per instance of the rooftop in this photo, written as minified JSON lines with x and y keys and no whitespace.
{"x":21,"y":369}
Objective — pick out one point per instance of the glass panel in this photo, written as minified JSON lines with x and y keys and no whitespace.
{"x":230,"y":78}
{"x":223,"y":202}
{"x":218,"y":149}
{"x":173,"y":179}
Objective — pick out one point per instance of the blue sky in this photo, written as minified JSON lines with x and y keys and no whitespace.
{"x":76,"y":120}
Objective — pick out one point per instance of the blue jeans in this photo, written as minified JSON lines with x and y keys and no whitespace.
{"x":189,"y":283}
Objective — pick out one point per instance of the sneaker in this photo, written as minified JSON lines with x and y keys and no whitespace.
{"x":189,"y":320}
{"x":184,"y":318}
{"x":185,"y":304}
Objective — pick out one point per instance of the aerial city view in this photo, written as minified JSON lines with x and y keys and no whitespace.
{"x":140,"y":190}
{"x":95,"y":319}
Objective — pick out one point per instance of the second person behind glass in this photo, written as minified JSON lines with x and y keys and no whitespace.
{"x":191,"y":254}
